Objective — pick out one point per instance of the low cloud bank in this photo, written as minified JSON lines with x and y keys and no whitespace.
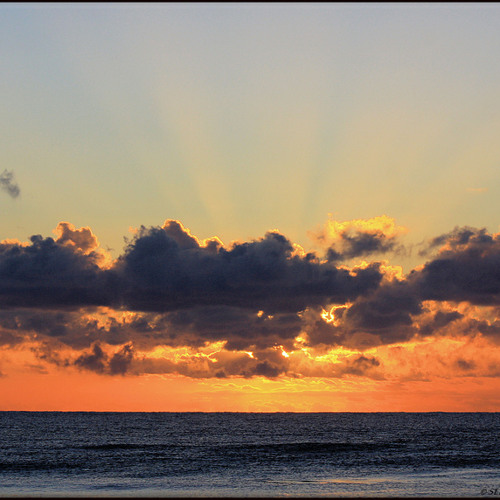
{"x":169,"y":289}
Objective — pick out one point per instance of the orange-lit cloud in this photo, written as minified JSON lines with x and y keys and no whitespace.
{"x":360,"y":237}
{"x":82,"y":240}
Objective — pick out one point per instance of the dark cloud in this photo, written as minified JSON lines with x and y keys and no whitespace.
{"x":362,"y":244}
{"x":267,"y":369}
{"x":175,"y":230}
{"x":165,"y":269}
{"x":187,"y":293}
{"x":468,"y":269}
{"x":383,"y":317}
{"x":458,"y":237}
{"x":242,"y":328}
{"x":10,"y":339}
{"x":48,"y":274}
{"x":269,"y":363}
{"x":8,"y":184}
{"x":48,"y":352}
{"x":439,"y":320}
{"x":75,"y":329}
{"x":121,"y":360}
{"x":254,"y":296}
{"x":390,"y":307}
{"x":159,"y":274}
{"x":491,"y":330}
{"x":359,"y":238}
{"x":361,"y":365}
{"x":465,"y":365}
{"x":96,"y":360}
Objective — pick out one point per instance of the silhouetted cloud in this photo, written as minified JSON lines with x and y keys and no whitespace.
{"x":359,"y":238}
{"x":252,"y":299}
{"x":456,"y":238}
{"x":8,"y":183}
{"x":159,"y":274}
{"x":361,"y":245}
{"x":467,"y":268}
{"x":387,"y":313}
{"x":96,"y":360}
{"x":48,"y":274}
{"x":242,"y":328}
{"x":440,"y":320}
{"x":121,"y":360}
{"x":361,"y":365}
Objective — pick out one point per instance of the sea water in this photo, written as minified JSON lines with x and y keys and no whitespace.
{"x":249,"y":454}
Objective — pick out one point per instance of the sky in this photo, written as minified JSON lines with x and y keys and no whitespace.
{"x":250,"y":207}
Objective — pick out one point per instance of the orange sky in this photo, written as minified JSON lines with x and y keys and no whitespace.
{"x":63,"y":391}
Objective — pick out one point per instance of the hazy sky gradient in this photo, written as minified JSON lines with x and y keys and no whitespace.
{"x":240,"y":118}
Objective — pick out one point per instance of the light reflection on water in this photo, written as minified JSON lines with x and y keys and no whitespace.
{"x":454,"y":484}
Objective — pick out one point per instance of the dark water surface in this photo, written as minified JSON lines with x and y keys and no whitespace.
{"x":249,"y":454}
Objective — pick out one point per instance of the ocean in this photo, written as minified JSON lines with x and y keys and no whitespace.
{"x":249,"y":454}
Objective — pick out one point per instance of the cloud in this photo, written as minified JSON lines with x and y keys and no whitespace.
{"x":10,"y":339}
{"x":361,"y":365}
{"x":387,"y":313}
{"x":8,"y":184}
{"x":160,"y":274}
{"x":359,"y":238}
{"x":166,"y":269}
{"x":121,"y":360}
{"x":97,"y":360}
{"x":455,"y":239}
{"x":82,"y":239}
{"x":241,"y":328}
{"x":439,"y":320}
{"x":467,"y":268}
{"x":48,"y":274}
{"x":183,"y":291}
{"x":77,"y":329}
{"x":256,"y":301}
{"x":215,"y":362}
